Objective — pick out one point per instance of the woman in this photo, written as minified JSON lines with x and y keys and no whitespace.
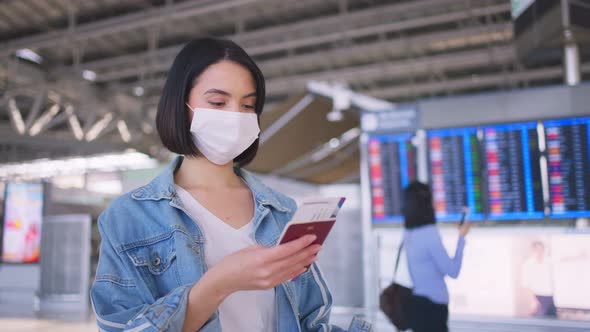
{"x":428,"y":261}
{"x":195,"y":248}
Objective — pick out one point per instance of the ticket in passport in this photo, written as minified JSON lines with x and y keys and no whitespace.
{"x":314,"y":216}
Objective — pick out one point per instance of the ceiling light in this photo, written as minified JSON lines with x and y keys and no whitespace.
{"x":79,"y":165}
{"x":334,"y":116}
{"x":334,"y":143}
{"x":27,"y":54}
{"x":89,"y":75}
{"x":138,"y":91}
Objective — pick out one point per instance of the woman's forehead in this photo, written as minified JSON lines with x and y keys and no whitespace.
{"x":226,"y":76}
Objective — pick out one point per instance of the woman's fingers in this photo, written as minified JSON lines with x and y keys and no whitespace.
{"x":288,"y":268}
{"x":299,"y":258}
{"x":288,"y":249}
{"x":293,"y":271}
{"x":269,"y":267}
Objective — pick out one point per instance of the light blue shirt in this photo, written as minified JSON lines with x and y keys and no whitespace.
{"x":152,"y":253}
{"x":429,"y":263}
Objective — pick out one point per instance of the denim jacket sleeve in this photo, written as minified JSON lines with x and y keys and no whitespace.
{"x":119,"y":305}
{"x":316,"y":311}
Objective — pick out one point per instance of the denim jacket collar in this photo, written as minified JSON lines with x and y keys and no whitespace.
{"x":162,"y":187}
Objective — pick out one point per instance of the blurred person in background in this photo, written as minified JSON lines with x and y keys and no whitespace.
{"x":195,"y":248}
{"x":428,"y":261}
{"x":537,"y":277}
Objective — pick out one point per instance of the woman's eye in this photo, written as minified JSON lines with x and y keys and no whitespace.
{"x":250,"y":107}
{"x":221,"y":104}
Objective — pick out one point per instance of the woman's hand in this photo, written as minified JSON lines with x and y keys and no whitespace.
{"x":258,"y":267}
{"x":255,"y":267}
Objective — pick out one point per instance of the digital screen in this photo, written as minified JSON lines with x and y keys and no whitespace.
{"x":456,"y":173}
{"x":392,"y":166}
{"x":514,"y":173}
{"x":23,"y":214}
{"x":536,"y":266}
{"x":568,"y":144}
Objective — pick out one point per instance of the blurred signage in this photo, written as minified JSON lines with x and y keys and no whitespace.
{"x":401,"y":120}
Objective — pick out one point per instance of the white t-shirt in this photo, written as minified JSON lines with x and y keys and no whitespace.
{"x":537,"y":276}
{"x":242,"y":310}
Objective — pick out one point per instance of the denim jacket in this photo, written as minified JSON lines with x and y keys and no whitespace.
{"x":152,"y":253}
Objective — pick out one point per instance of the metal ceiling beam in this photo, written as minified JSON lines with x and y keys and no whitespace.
{"x":15,"y":116}
{"x":397,"y":69}
{"x":347,"y":21}
{"x":378,"y":71}
{"x":437,"y":41}
{"x":54,"y":140}
{"x":315,"y":38}
{"x":36,"y":109}
{"x":461,"y":84}
{"x":41,"y":123}
{"x":30,"y":81}
{"x":19,"y":73}
{"x":314,"y":32}
{"x":137,"y":20}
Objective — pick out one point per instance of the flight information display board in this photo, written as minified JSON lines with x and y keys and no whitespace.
{"x":514,"y":173}
{"x":21,"y":225}
{"x":568,"y":144}
{"x":392,"y":166}
{"x":455,"y":164}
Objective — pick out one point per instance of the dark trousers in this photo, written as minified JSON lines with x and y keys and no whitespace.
{"x":546,"y":306}
{"x":427,"y":316}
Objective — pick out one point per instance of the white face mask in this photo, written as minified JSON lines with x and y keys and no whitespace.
{"x":221,"y":136}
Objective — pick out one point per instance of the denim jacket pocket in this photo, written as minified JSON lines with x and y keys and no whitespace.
{"x":155,"y":260}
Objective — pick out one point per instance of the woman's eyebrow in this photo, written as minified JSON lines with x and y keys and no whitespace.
{"x":225,"y":93}
{"x":217,"y":91}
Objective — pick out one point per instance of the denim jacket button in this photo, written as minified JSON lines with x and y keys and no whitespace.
{"x":156,"y":261}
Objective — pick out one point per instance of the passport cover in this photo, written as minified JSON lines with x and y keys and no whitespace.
{"x":318,"y":228}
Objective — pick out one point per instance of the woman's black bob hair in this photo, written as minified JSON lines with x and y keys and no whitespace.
{"x":417,"y":208}
{"x":172,"y":118}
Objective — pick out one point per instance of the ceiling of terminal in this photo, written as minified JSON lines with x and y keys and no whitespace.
{"x":84,"y":77}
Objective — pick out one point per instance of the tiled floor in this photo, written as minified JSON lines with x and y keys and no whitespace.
{"x":466,"y":325}
{"x":32,"y":325}
{"x":482,"y":324}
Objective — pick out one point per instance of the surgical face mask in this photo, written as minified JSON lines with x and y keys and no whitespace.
{"x":221,"y":136}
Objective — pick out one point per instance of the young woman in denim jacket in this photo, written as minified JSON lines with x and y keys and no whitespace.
{"x":153,"y":272}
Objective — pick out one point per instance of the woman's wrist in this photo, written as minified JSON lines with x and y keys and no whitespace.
{"x":213,"y":286}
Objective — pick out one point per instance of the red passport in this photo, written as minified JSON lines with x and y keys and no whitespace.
{"x":313,"y":216}
{"x":296,"y":230}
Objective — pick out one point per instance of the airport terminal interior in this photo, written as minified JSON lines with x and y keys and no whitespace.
{"x":487,"y":102}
